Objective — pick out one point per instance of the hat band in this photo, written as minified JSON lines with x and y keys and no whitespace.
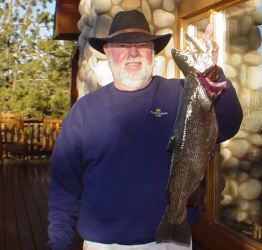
{"x":129,"y":31}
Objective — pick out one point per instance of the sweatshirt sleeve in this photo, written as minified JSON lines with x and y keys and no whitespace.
{"x":228,"y":111}
{"x":66,"y":185}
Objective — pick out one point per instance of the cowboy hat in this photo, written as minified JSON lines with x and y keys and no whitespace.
{"x":130,"y":27}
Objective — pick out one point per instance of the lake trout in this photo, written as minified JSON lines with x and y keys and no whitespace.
{"x":192,"y":142}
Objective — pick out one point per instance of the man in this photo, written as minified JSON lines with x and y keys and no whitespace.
{"x":110,"y":165}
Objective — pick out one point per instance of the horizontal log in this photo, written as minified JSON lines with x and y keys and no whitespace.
{"x":66,"y":18}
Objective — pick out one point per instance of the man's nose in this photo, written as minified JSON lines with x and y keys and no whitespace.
{"x":133,"y":50}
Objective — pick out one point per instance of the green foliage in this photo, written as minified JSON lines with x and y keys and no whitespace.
{"x":35,"y":69}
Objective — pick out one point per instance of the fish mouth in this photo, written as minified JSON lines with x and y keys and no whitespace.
{"x":214,"y":89}
{"x":222,"y":84}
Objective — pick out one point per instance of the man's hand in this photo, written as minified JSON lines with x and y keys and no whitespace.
{"x":207,"y":36}
{"x":202,"y":53}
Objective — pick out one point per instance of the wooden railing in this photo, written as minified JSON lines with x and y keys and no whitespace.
{"x":41,"y":135}
{"x":36,"y":136}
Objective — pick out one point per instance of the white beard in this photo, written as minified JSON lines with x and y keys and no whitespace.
{"x":132,"y":80}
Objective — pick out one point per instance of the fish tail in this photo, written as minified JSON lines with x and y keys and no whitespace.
{"x":168,"y":232}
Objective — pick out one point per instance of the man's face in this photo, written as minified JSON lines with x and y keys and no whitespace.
{"x":131,"y":64}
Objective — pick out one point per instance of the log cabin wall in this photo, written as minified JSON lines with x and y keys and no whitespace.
{"x":66,"y":17}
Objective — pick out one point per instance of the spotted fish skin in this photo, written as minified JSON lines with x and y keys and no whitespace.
{"x":192,"y":141}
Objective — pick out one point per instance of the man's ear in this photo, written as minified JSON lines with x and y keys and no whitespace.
{"x":105,"y":47}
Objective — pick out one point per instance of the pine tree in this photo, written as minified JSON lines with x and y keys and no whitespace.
{"x":35,"y":74}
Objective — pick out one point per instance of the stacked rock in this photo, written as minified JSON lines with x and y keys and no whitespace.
{"x":241,"y":156}
{"x":96,"y":18}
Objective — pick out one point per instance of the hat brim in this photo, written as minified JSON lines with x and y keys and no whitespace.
{"x":160,"y":41}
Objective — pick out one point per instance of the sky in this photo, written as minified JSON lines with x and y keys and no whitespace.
{"x":50,"y":9}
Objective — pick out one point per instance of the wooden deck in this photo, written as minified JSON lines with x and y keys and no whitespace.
{"x":24,"y":194}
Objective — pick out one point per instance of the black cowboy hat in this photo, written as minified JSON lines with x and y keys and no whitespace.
{"x":130,"y":27}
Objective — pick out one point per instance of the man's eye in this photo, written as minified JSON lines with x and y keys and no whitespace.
{"x":129,"y":45}
{"x":143,"y":45}
{"x":123,"y":45}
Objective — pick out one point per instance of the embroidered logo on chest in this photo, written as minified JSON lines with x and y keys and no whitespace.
{"x":158,"y":112}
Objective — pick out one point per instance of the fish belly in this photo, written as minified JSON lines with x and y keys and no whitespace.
{"x":192,"y":140}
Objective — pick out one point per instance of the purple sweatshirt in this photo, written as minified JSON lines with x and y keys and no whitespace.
{"x":110,"y":164}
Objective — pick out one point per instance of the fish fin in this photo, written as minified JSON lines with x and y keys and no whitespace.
{"x":211,"y":156}
{"x":168,"y":232}
{"x":194,"y":198}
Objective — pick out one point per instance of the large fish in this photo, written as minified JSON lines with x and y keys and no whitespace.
{"x":192,"y":141}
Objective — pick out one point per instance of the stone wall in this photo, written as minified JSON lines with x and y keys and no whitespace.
{"x":241,"y":156}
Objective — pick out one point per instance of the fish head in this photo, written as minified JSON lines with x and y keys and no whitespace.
{"x":183,"y":61}
{"x":201,"y":51}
